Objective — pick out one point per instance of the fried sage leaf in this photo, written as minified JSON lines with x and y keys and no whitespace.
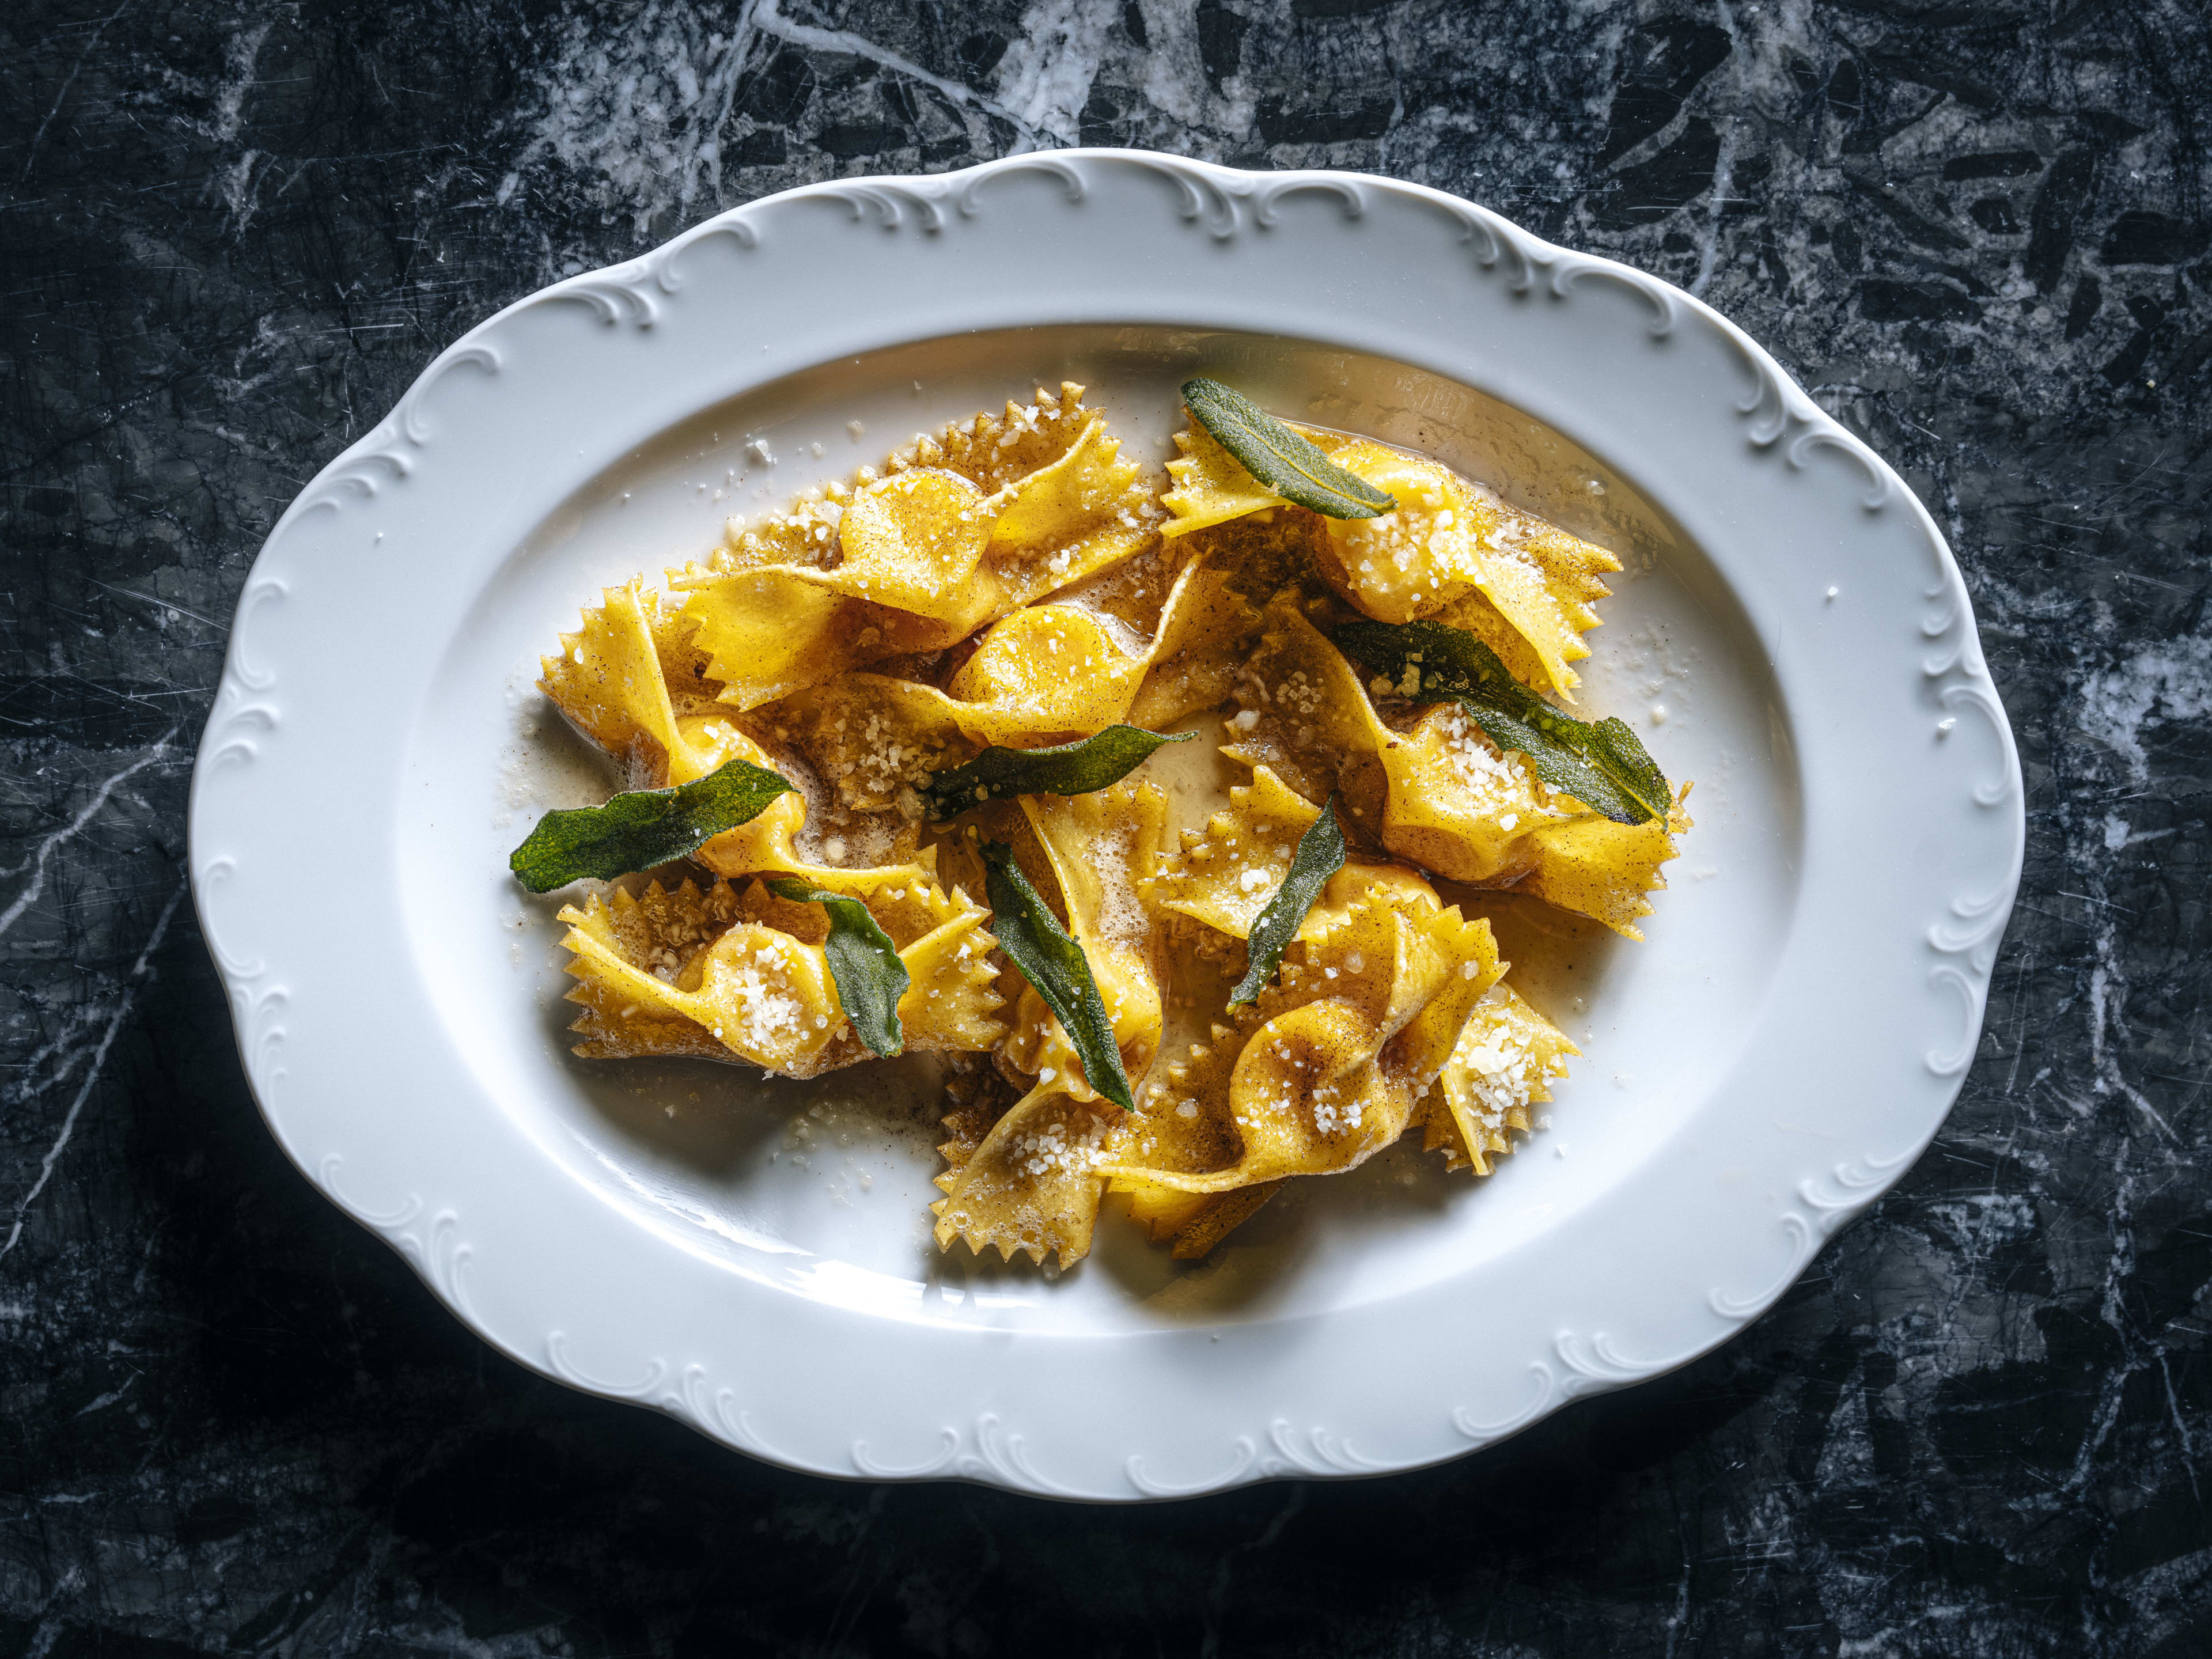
{"x":1601,"y":764}
{"x":1320,"y":855}
{"x":1295,"y":468}
{"x":863,"y":964}
{"x":642,"y":828}
{"x":1039,"y":946}
{"x":1070,"y":769}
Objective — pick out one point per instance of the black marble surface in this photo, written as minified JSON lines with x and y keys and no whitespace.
{"x":231,"y":1421}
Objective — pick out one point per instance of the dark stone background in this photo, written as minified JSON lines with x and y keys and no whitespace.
{"x":233,"y":1422}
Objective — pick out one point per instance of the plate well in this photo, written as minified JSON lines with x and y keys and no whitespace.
{"x":820,"y":1189}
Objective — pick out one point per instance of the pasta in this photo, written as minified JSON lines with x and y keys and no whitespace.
{"x":959,"y":530}
{"x":1016,"y":582}
{"x":717,"y":973}
{"x":1435,"y":790}
{"x":1326,"y":1070}
{"x":1504,"y":1063}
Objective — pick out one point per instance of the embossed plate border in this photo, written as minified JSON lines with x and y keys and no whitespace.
{"x":1912,"y":808}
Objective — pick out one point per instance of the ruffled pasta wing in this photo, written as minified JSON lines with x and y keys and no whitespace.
{"x":992,"y":452}
{"x":611,"y":681}
{"x":1046,"y":674}
{"x":1207,"y":628}
{"x":989,"y":452}
{"x":1226,"y":874}
{"x":803,"y":532}
{"x":1210,"y":485}
{"x":1595,"y":867}
{"x":1506,"y":1058}
{"x":1081,"y":514}
{"x":1029,"y":1186}
{"x":911,"y":579}
{"x":915,"y":543}
{"x":952,"y":1005}
{"x":770,"y":632}
{"x":747,"y":989}
{"x":960,"y":529}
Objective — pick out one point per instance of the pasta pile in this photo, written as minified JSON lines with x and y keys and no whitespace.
{"x":1014,"y":583}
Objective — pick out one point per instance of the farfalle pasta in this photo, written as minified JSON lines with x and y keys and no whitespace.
{"x":953,"y":532}
{"x":821,"y":859}
{"x":721,"y":974}
{"x":1432,"y":788}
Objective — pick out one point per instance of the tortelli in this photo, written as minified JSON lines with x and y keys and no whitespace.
{"x":1016,"y":583}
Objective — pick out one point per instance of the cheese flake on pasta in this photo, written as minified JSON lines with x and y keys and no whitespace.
{"x":1030,"y":1186}
{"x":1506,"y":1058}
{"x":718,"y":974}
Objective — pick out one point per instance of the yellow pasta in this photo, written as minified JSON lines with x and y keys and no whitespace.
{"x":1211,"y":486}
{"x":1439,"y":793}
{"x":1029,"y":1180}
{"x":1451,"y":541}
{"x":1507,"y":1057}
{"x":1098,"y":846}
{"x":1227,"y":874}
{"x":718,"y":974}
{"x":1047,"y":674}
{"x":1325,"y":1071}
{"x":1016,"y":581}
{"x":1031,"y":1186}
{"x":611,"y":682}
{"x":1084,"y":513}
{"x":962,"y":529}
{"x":1452,"y":550}
{"x":606,"y":683}
{"x":1206,"y":627}
{"x":994,"y":452}
{"x":1192,"y":1223}
{"x":915,"y":542}
{"x":1051,"y":672}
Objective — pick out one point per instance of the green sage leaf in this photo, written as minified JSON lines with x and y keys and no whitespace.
{"x":1320,"y":855}
{"x":642,"y":828}
{"x":863,"y":964}
{"x":1071,"y":769}
{"x":1039,"y":946}
{"x":1295,"y":468}
{"x":1601,"y":763}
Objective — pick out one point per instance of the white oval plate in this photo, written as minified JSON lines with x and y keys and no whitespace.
{"x":1772,"y":1059}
